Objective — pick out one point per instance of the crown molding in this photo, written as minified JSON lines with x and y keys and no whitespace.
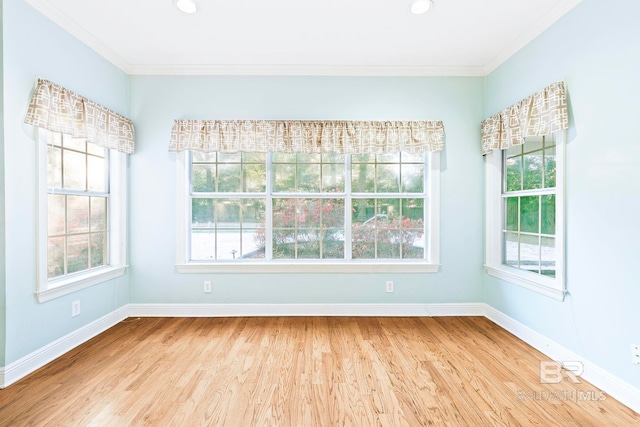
{"x":529,"y":34}
{"x":54,"y":14}
{"x":306,"y":70}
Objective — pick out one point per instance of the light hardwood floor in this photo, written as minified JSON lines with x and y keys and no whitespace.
{"x":304,"y":371}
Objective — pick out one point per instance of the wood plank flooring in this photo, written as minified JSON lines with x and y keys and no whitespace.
{"x":304,"y":371}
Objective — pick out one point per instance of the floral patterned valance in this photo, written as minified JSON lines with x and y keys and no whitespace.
{"x":540,"y":114}
{"x":57,"y":109}
{"x":346,"y":137}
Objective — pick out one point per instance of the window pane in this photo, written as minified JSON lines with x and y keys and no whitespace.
{"x":308,"y":158}
{"x":254,"y":157}
{"x":98,"y":249}
{"x":228,"y":213}
{"x":363,"y":158}
{"x":529,"y":210}
{"x":363,"y":178}
{"x":514,"y":151}
{"x":203,"y":157}
{"x":548,"y":252}
{"x":511,"y":248}
{"x":202,"y":213}
{"x":333,"y":248}
{"x":96,"y":150}
{"x":548,"y":214}
{"x":229,"y":157}
{"x":98,"y":214}
{"x":511,"y":215}
{"x":533,"y":170}
{"x":388,"y":178}
{"x":388,"y":241}
{"x":74,"y":143}
{"x":333,"y":178}
{"x":55,"y":214}
{"x":253,"y":243}
{"x":388,"y":158}
{"x":54,"y":167}
{"x":75,"y":170}
{"x":229,"y":177}
{"x":254,"y":176}
{"x":77,"y":214}
{"x":333,"y":158}
{"x":413,"y":244}
{"x":550,"y":140}
{"x":96,"y":179}
{"x":363,"y":241}
{"x":412,"y":178}
{"x":514,"y":174}
{"x":308,"y":177}
{"x":283,"y":158}
{"x":203,"y":244}
{"x":529,"y":253}
{"x":283,"y":245}
{"x":55,"y":257}
{"x":203,"y":178}
{"x":229,"y":243}
{"x":284,"y":176}
{"x":412,"y":157}
{"x":77,"y":253}
{"x":532,"y":143}
{"x":413,"y":213}
{"x":550,"y":167}
{"x":54,"y":138}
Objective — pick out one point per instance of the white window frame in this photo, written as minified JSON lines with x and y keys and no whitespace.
{"x":494,"y":218}
{"x":429,"y":265}
{"x":49,"y":289}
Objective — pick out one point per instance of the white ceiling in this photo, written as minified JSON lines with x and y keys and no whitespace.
{"x":304,"y":37}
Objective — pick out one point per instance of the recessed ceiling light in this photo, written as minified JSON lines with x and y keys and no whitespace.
{"x":418,"y":7}
{"x":187,"y":6}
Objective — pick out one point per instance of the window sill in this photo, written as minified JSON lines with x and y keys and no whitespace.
{"x":307,"y":267}
{"x":543,"y":285}
{"x":67,"y":285}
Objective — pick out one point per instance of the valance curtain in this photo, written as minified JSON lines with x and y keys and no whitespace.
{"x":346,"y":137}
{"x":542,"y":113}
{"x":57,"y":109}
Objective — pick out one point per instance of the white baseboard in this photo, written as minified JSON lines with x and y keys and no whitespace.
{"x":605,"y":381}
{"x":256,"y":310}
{"x":37,"y":359}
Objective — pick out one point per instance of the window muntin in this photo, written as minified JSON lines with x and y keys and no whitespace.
{"x":77,"y":206}
{"x":285,"y":206}
{"x":529,"y":206}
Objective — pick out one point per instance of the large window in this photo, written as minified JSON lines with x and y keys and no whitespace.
{"x":81,"y":219}
{"x":524,"y":214}
{"x":301,"y":209}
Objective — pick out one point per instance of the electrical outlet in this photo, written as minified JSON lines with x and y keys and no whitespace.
{"x":389,"y":285}
{"x":635,"y":354}
{"x":207,"y":286}
{"x":75,"y":308}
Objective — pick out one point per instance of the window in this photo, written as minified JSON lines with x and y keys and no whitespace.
{"x":525,"y":214}
{"x":81,"y":225}
{"x":300,"y":212}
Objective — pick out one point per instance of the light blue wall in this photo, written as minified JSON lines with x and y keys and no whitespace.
{"x":34,"y":46}
{"x":2,"y":206}
{"x":596,"y":49}
{"x":157,"y":101}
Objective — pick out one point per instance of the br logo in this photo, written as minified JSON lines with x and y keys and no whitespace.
{"x":556,"y":372}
